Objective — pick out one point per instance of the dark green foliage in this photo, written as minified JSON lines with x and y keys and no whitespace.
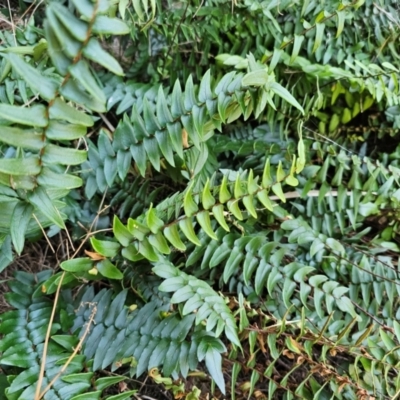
{"x":242,"y":179}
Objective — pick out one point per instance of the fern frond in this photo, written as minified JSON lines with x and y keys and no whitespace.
{"x":146,"y":338}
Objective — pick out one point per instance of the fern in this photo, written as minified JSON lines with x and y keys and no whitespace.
{"x":242,"y":215}
{"x":36,"y":162}
{"x":24,"y":332}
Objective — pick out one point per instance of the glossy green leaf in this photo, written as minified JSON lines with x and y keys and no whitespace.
{"x":147,"y":250}
{"x":81,"y":72}
{"x":123,"y":396}
{"x":28,"y":139}
{"x":41,"y":200}
{"x":105,"y":382}
{"x":62,"y":111}
{"x":267,"y":180}
{"x":213,"y":361}
{"x":72,"y":90}
{"x":63,"y":155}
{"x":186,"y":226}
{"x":207,"y":198}
{"x":63,"y":131}
{"x":51,"y":179}
{"x":233,"y":207}
{"x":45,"y":86}
{"x":340,"y":22}
{"x":238,"y":190}
{"x":285,"y":94}
{"x":158,"y":242}
{"x":280,"y":173}
{"x":255,"y":78}
{"x":105,"y":25}
{"x":121,"y":232}
{"x":94,"y":52}
{"x":76,"y":27}
{"x":298,"y":40}
{"x":31,"y":116}
{"x":319,"y":34}
{"x":153,"y":222}
{"x":19,"y":223}
{"x":20,"y":166}
{"x":248,"y":203}
{"x":189,"y":204}
{"x":203,"y":218}
{"x":277,"y":189}
{"x":77,"y":265}
{"x":104,"y":247}
{"x":219,"y":214}
{"x":109,"y":270}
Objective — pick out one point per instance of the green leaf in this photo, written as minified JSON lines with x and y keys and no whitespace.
{"x":62,"y":131}
{"x":255,"y":78}
{"x":172,"y":284}
{"x":55,"y":50}
{"x":158,"y":242}
{"x":267,"y":180}
{"x":19,"y":223}
{"x":88,"y":396}
{"x":80,"y":71}
{"x":72,"y":90}
{"x":233,"y":207}
{"x":219,"y":214}
{"x":187,"y":228}
{"x":248,"y":203}
{"x":62,"y":111}
{"x":277,"y":189}
{"x":213,"y":361}
{"x":205,"y":92}
{"x":224,"y":194}
{"x":76,"y":27}
{"x":147,"y":250}
{"x":20,"y":166}
{"x":121,"y":232}
{"x":252,"y":186}
{"x":346,"y":305}
{"x":77,"y":265}
{"x":50,"y":179}
{"x":238,"y":190}
{"x":285,"y":94}
{"x":87,"y":9}
{"x":24,"y":379}
{"x":41,"y":200}
{"x":105,"y":248}
{"x":163,"y":114}
{"x":32,"y":116}
{"x":203,"y":219}
{"x":172,"y":235}
{"x":104,"y":25}
{"x":63,"y":155}
{"x":298,"y":40}
{"x":109,"y":270}
{"x":341,"y":15}
{"x":103,"y":383}
{"x":319,"y":35}
{"x":70,"y":46}
{"x":280,"y":173}
{"x":37,"y":82}
{"x":69,"y":342}
{"x":153,"y":222}
{"x":189,"y":205}
{"x":122,"y":396}
{"x":94,"y":52}
{"x":28,"y":139}
{"x":207,"y":198}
